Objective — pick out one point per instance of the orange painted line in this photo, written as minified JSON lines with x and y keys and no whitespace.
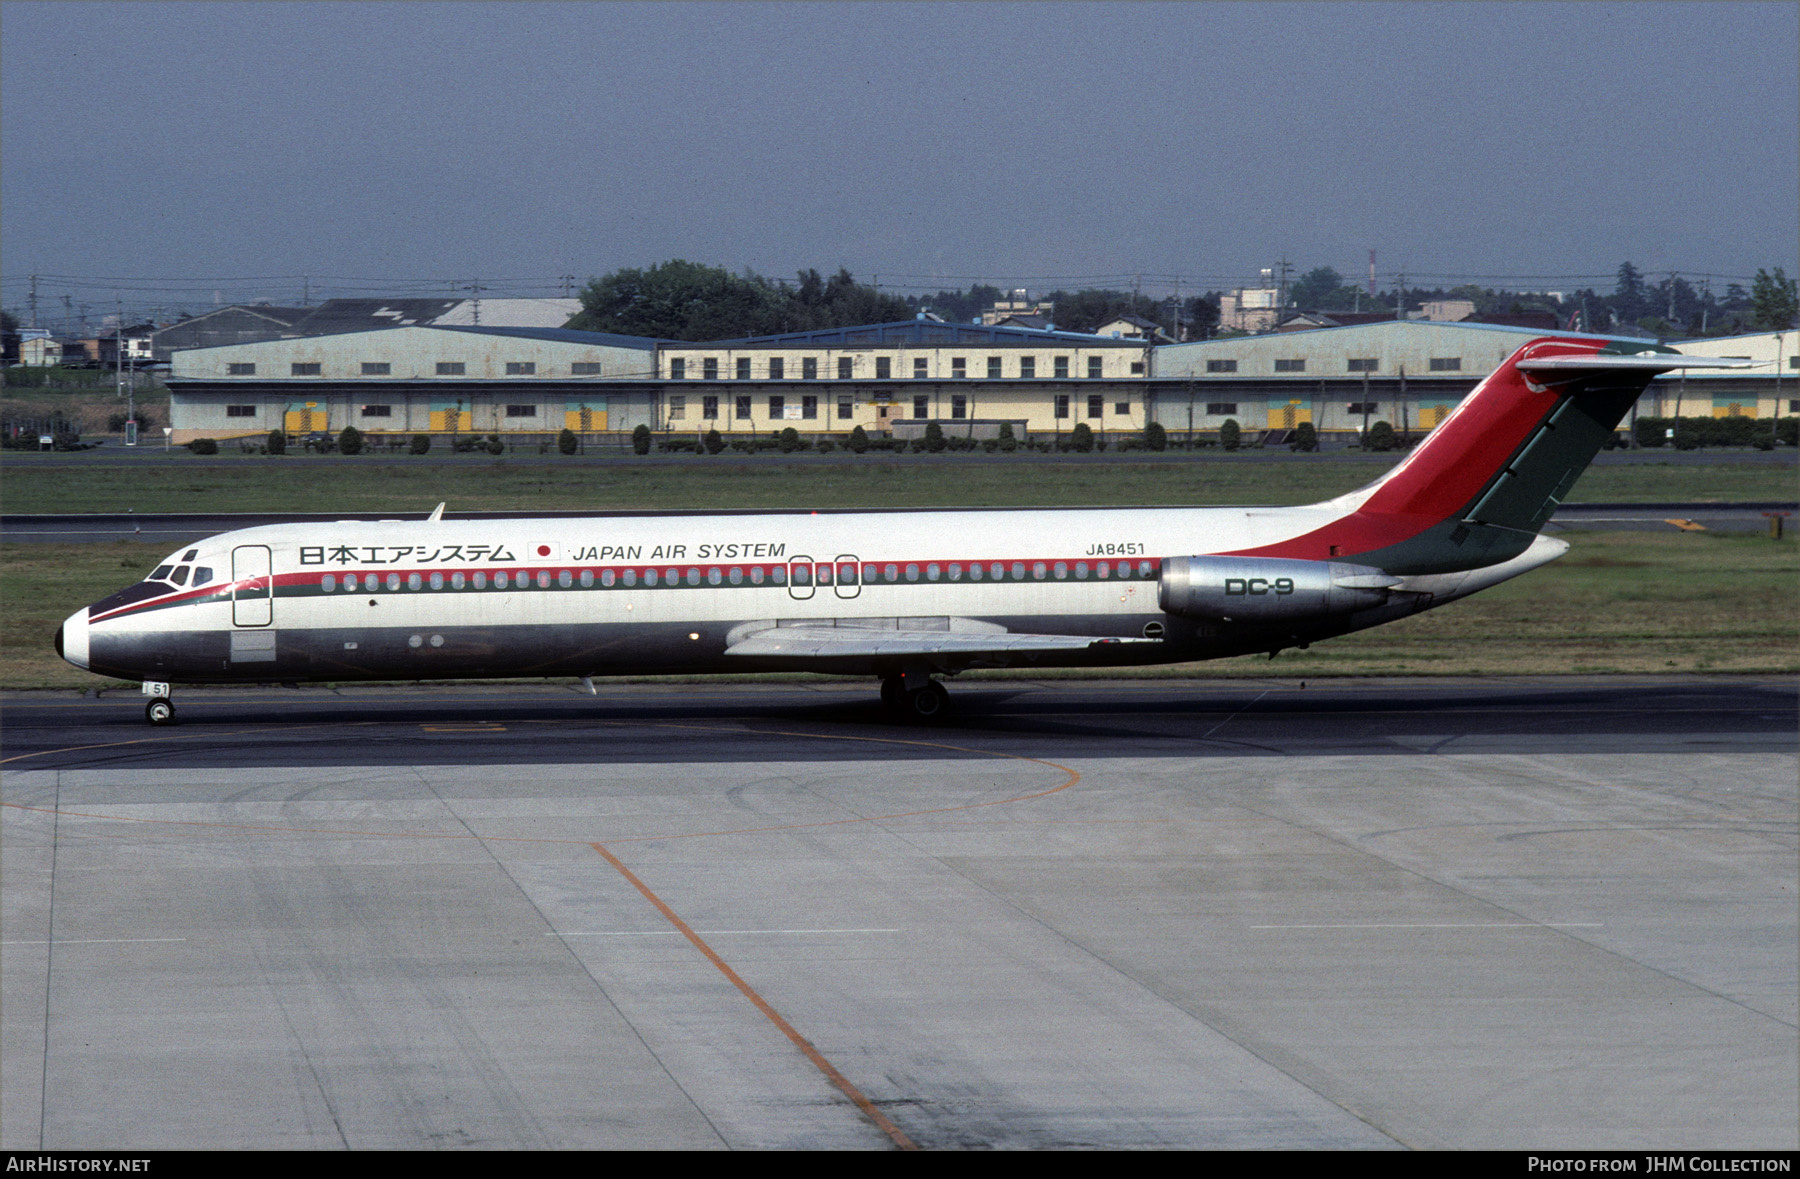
{"x":807,"y":1049}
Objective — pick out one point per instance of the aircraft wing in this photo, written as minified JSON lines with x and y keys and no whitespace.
{"x":886,"y":638}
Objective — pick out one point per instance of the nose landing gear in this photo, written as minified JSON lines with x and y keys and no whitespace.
{"x":160,"y":710}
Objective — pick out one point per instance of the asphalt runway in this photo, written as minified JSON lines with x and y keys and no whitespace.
{"x":1508,"y":913}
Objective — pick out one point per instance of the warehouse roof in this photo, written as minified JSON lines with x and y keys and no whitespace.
{"x":918,"y":331}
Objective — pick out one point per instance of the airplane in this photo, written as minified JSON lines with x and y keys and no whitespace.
{"x":903,"y":596}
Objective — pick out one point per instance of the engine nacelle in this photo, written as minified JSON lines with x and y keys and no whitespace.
{"x":1267,"y":589}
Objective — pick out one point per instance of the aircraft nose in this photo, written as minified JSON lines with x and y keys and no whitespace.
{"x":72,"y":639}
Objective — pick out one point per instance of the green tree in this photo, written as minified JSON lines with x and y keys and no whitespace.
{"x":679,"y":300}
{"x":1155,"y":437}
{"x":566,"y":442}
{"x":277,"y":442}
{"x":1007,"y":441}
{"x":640,"y":440}
{"x":934,"y":437}
{"x":859,"y":440}
{"x":1081,"y":438}
{"x":1230,"y":435}
{"x":788,"y":440}
{"x":715,"y":442}
{"x":1773,"y":302}
{"x":421,"y":444}
{"x":1381,"y":436}
{"x":1305,"y":438}
{"x":350,"y":441}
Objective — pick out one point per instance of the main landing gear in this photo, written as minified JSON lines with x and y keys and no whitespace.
{"x":926,"y":702}
{"x":161,"y":709}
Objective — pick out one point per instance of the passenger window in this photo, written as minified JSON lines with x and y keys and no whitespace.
{"x":778,"y":575}
{"x":328,"y":583}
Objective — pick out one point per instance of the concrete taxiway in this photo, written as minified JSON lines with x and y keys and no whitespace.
{"x":1555,"y":913}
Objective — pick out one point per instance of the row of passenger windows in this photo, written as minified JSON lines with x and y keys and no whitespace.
{"x":841,"y":572}
{"x":1355,"y":364}
{"x":444,"y":368}
{"x":775,"y":368}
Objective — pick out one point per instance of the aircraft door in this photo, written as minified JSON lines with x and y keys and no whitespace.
{"x":849,"y":581}
{"x":800,"y":578}
{"x":252,"y":595}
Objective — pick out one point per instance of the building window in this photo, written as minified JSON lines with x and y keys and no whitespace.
{"x":1446,"y":364}
{"x":959,"y":406}
{"x":1060,"y":368}
{"x":450,"y":368}
{"x":677,"y":406}
{"x":846,"y":367}
{"x":993,"y":368}
{"x":521,"y":411}
{"x":1363,"y":364}
{"x":743,"y":408}
{"x":809,"y":369}
{"x":809,"y":408}
{"x":777,"y":369}
{"x":1221,"y":366}
{"x":585,"y":368}
{"x":521,"y":368}
{"x":1360,"y":407}
{"x":1093,"y":368}
{"x":709,"y":408}
{"x":677,"y":369}
{"x":709,"y":368}
{"x":777,"y":408}
{"x":1062,"y":405}
{"x":959,"y":368}
{"x":1221,"y":408}
{"x":1137,"y":368}
{"x":377,"y":411}
{"x":1794,"y":362}
{"x":1027,"y":367}
{"x":743,"y":368}
{"x":240,"y":411}
{"x":921,"y":406}
{"x":844,"y":408}
{"x":1095,"y":404}
{"x":240,"y":370}
{"x":921,"y":368}
{"x":1123,"y":407}
{"x":884,"y":368}
{"x":1290,"y":366}
{"x":376,"y":368}
{"x":304,"y":370}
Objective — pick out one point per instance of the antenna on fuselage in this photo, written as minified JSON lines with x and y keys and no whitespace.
{"x":437,"y":514}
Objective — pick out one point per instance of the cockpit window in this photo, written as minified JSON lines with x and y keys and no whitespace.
{"x":179,"y":577}
{"x":202,"y":575}
{"x":160,"y":573}
{"x":190,"y":555}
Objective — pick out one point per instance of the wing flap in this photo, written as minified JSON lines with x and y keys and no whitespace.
{"x":833,"y":641}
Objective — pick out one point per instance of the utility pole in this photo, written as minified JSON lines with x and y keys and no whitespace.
{"x":305,"y":291}
{"x":475,"y":288}
{"x":31,"y":302}
{"x":568,"y":285}
{"x":1400,"y":301}
{"x":1281,"y":293}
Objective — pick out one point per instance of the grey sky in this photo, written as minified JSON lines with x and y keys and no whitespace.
{"x":413,"y":141}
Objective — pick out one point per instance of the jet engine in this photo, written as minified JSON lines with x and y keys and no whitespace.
{"x":1267,"y":589}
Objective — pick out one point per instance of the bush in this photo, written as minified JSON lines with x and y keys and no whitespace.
{"x":859,"y":440}
{"x":351,"y":440}
{"x":1787,"y":431}
{"x":1007,"y":442}
{"x":1381,"y":436}
{"x":934,"y":437}
{"x":826,"y":446}
{"x":1155,"y":437}
{"x":640,"y":440}
{"x":789,"y":439}
{"x":494,"y":445}
{"x":1305,"y":438}
{"x":421,"y":444}
{"x":277,"y":442}
{"x":1081,"y":438}
{"x":204,"y":446}
{"x":715,"y":442}
{"x":566,"y":442}
{"x":1231,"y":437}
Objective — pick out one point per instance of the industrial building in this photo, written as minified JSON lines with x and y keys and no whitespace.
{"x":891,"y":379}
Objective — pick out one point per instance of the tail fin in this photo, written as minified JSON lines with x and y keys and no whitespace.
{"x":1477,"y":490}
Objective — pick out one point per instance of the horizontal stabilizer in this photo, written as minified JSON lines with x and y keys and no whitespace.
{"x":1643,"y":361}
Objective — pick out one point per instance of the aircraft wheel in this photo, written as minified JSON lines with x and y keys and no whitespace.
{"x":929,"y":702}
{"x":893,"y":694}
{"x":159,"y":712}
